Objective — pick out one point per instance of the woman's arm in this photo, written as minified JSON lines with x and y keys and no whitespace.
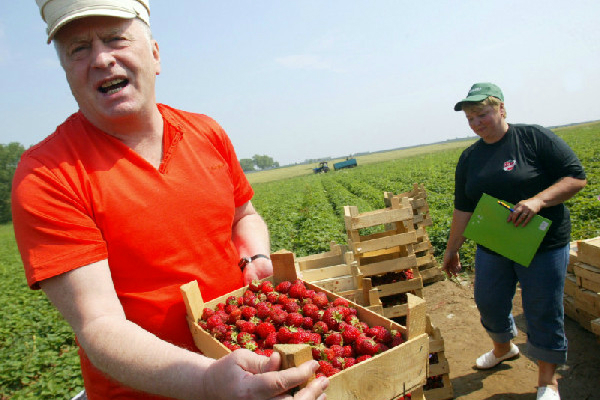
{"x":451,"y":263}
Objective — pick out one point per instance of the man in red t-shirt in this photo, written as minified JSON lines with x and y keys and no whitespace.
{"x":126,"y":201}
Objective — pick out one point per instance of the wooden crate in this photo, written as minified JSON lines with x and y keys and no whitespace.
{"x":426,"y":262}
{"x":440,"y":369}
{"x":399,"y":370}
{"x":588,"y":251}
{"x":383,"y":254}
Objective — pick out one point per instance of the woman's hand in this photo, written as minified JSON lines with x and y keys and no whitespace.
{"x":524,"y":211}
{"x":451,"y":263}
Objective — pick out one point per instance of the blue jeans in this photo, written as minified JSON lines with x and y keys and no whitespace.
{"x":542,"y":288}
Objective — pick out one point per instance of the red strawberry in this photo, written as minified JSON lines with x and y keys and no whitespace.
{"x":250,"y":345}
{"x":284,"y":334}
{"x":348,"y":351}
{"x":207,"y":313}
{"x":320,"y":327}
{"x":263,"y":311}
{"x":334,"y":338}
{"x":362,"y":358}
{"x":271,"y":340}
{"x":291,"y":306}
{"x":310,"y":310}
{"x":213,"y":321}
{"x":300,"y":337}
{"x":247,"y":326}
{"x":244,"y":337}
{"x":272,"y":297}
{"x":397,"y":339}
{"x":307,"y":323}
{"x":340,"y":302}
{"x":350,"y":333}
{"x":248,"y":312}
{"x":348,"y":362}
{"x":327,"y":354}
{"x":266,"y":287}
{"x":254,"y":286}
{"x":338,"y":362}
{"x":332,"y":317}
{"x":264,"y":329}
{"x":379,"y":334}
{"x":283,"y":287}
{"x":315,"y":338}
{"x":366,"y":346}
{"x":297,"y":290}
{"x":232,"y":300}
{"x":309,"y":294}
{"x":327,"y":369}
{"x":278,"y":316}
{"x":294,"y":319}
{"x":320,"y":300}
{"x":234,"y":315}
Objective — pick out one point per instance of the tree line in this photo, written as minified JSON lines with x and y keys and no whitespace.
{"x":258,"y":161}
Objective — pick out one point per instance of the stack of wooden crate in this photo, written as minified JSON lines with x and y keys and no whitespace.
{"x":386,"y":259}
{"x":582,"y":285}
{"x":428,"y":266}
{"x":438,"y":385}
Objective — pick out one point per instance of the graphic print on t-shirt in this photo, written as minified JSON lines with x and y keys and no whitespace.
{"x":509,"y":165}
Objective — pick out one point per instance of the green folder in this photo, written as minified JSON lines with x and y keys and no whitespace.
{"x":488,"y":227}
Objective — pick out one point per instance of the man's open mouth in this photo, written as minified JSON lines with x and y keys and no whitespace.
{"x":113,"y":86}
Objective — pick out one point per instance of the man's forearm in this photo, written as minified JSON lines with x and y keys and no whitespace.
{"x":141,"y":360}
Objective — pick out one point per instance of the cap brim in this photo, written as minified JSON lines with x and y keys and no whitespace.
{"x":100,"y":12}
{"x":471,"y":99}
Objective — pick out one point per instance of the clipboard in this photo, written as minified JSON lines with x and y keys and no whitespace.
{"x":488,"y":227}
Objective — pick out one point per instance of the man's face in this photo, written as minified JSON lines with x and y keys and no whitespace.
{"x":111,"y":66}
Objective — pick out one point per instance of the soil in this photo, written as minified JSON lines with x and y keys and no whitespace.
{"x":452,"y":309}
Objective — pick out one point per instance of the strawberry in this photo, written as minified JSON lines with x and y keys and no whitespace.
{"x":248,"y":312}
{"x":213,"y":321}
{"x":334,"y":338}
{"x":338,"y":362}
{"x":207,"y":313}
{"x":232,"y":300}
{"x":320,"y":327}
{"x":362,"y":358}
{"x":266,"y":287}
{"x":307,"y":323}
{"x":348,"y":362}
{"x":379,"y":334}
{"x":340,"y":302}
{"x":332,"y":317}
{"x":310,"y":310}
{"x":291,"y":306}
{"x":284,"y":334}
{"x":320,"y":300}
{"x":294,"y":319}
{"x":264,"y":329}
{"x":278,"y":316}
{"x":254,"y":286}
{"x":263,"y":311}
{"x":247,"y":326}
{"x":297,"y":290}
{"x":348,"y":351}
{"x":300,"y":337}
{"x":338,"y":350}
{"x":397,"y":339}
{"x":315,"y":338}
{"x":272,"y":297}
{"x":271,"y":340}
{"x":366,"y":346}
{"x":244,"y":337}
{"x":327,"y":369}
{"x":350,"y":333}
{"x":283,"y":287}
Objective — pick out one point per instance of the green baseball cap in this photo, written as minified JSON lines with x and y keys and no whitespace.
{"x":480,"y":92}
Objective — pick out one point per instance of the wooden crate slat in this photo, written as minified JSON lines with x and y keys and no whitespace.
{"x":587,"y":271}
{"x":318,"y":274}
{"x":394,"y":265}
{"x":400,"y":239}
{"x":399,"y":287}
{"x":377,"y":217}
{"x":588,"y":251}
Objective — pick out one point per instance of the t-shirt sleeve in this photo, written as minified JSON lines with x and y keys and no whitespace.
{"x":53,"y":229}
{"x":461,"y":201}
{"x":559,"y":160}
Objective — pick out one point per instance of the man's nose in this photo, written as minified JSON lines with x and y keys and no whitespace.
{"x":102,"y":55}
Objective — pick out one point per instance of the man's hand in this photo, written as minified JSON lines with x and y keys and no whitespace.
{"x":257,"y":270}
{"x":247,"y":375}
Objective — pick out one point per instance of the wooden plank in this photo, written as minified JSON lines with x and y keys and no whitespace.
{"x":390,"y":373}
{"x":443,"y":393}
{"x":588,"y":251}
{"x":425,"y":260}
{"x":399,"y":287}
{"x":587,"y":271}
{"x":192,"y":298}
{"x":378,"y":217}
{"x":400,"y":239}
{"x":570,"y":284}
{"x":400,"y":310}
{"x":398,"y":264}
{"x":314,"y":275}
{"x":588,"y":301}
{"x":338,"y":284}
{"x":442,"y":367}
{"x":294,"y":355}
{"x":589,"y":285}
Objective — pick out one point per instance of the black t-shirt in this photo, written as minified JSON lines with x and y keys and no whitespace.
{"x":527,"y":160}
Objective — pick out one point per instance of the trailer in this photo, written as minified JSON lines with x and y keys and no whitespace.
{"x":348,"y":163}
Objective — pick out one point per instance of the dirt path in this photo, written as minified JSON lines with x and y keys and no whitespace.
{"x":452,"y":309}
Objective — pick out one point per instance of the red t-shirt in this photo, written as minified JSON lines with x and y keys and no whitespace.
{"x":82,"y":196}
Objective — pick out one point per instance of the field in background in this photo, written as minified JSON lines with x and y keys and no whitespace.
{"x":38,"y":355}
{"x":307,"y":169}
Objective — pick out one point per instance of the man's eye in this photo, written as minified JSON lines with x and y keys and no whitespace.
{"x":78,"y":49}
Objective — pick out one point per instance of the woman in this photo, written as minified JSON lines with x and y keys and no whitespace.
{"x":534,"y":169}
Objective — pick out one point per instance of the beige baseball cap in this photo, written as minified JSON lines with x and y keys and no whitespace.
{"x":57,"y":13}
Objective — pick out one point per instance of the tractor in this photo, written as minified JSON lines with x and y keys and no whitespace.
{"x":322,"y":168}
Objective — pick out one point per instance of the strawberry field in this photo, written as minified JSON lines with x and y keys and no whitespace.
{"x":38,"y":357}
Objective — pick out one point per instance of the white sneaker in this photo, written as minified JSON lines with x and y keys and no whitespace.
{"x":546,"y":393}
{"x":489,"y":360}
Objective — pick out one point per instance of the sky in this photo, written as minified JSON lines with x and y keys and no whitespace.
{"x":310,"y":79}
